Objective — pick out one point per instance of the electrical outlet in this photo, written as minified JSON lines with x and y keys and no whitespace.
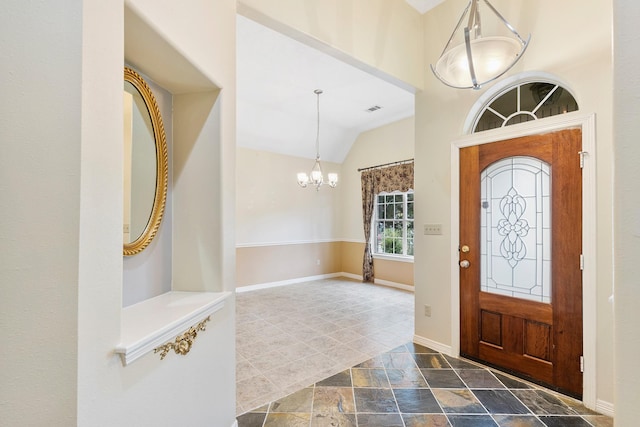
{"x":427,"y":310}
{"x":433,"y":229}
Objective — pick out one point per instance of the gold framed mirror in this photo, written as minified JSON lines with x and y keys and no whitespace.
{"x":146,"y":164}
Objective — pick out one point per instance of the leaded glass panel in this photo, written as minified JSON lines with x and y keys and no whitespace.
{"x":515,"y":229}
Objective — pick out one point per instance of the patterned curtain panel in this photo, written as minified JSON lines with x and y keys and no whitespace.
{"x":394,"y":178}
{"x":374,"y":181}
{"x":368,"y":195}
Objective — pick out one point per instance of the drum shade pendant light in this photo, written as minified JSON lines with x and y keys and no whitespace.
{"x":316,"y":178}
{"x":479,"y":59}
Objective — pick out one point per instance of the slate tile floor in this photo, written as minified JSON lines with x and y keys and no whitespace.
{"x":339,"y":353}
{"x":414,"y":386}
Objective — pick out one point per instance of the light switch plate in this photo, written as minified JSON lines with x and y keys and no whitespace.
{"x":433,"y":229}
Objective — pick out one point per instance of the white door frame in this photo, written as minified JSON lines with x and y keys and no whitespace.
{"x":555,"y":123}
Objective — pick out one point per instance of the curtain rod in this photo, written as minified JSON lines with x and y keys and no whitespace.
{"x":401,"y":162}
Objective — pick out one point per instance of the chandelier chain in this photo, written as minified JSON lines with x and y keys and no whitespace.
{"x":318,"y":92}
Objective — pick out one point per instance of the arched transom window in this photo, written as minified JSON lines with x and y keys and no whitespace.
{"x":523,"y":103}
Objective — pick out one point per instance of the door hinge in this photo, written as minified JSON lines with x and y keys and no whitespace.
{"x":581,"y":363}
{"x":582,"y":154}
{"x":581,"y":262}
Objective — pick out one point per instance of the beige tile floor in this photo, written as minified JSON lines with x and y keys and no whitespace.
{"x":290,"y":337}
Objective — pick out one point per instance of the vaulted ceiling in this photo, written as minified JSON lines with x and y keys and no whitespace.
{"x":276,"y":104}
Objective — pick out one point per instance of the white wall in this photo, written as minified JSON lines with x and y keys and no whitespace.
{"x":584,"y":62}
{"x":61,"y":261}
{"x":627,"y":209}
{"x":390,"y":143}
{"x":40,"y":138}
{"x":148,"y":273}
{"x":203,"y":34}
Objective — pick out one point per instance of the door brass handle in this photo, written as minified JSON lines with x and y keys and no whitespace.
{"x":464,"y":263}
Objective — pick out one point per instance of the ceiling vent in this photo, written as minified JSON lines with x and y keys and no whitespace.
{"x":372,"y":109}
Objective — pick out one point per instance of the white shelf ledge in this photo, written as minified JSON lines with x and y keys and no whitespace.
{"x":151,"y":323}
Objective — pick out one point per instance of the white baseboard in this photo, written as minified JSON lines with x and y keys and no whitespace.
{"x":379,"y":282}
{"x":351,"y":276}
{"x":605,"y":408}
{"x":394,"y":285}
{"x":321,"y":277}
{"x":287,"y":282}
{"x":442,"y":348}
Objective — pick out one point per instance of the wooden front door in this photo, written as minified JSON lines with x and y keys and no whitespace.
{"x":520,"y":257}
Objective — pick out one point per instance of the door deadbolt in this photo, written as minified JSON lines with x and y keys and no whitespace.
{"x":464,"y":248}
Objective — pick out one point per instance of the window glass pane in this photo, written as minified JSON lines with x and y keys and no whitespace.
{"x":389,"y":211}
{"x":381,"y":211}
{"x":388,"y":199}
{"x":379,"y":233}
{"x":389,"y":238}
{"x":398,"y":211}
{"x":410,"y":238}
{"x":398,"y":198}
{"x":410,"y":197}
{"x":519,"y":118}
{"x":394,"y":245}
{"x":507,"y":103}
{"x":487,"y":121}
{"x":410,"y":210}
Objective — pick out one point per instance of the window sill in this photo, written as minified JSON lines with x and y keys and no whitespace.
{"x":398,"y":258}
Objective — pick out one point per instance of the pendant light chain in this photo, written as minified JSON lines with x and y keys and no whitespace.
{"x":318,"y":92}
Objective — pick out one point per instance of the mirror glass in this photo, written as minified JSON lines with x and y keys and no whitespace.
{"x":139,"y":164}
{"x":145,"y":164}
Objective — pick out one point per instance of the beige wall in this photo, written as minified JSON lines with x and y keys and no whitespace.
{"x":385,"y":269}
{"x":277,"y":263}
{"x":584,"y":63}
{"x":352,"y":256}
{"x":259,"y":265}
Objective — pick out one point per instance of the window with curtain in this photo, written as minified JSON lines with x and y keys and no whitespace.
{"x":393,"y":224}
{"x":376,"y":181}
